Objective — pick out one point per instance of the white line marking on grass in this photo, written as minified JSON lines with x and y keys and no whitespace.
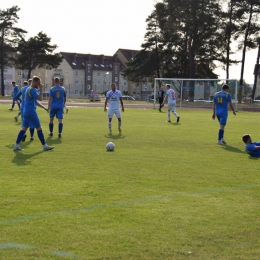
{"x":20,"y":246}
{"x":118,"y":204}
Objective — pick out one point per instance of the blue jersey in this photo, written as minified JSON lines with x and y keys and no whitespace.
{"x":221,"y":99}
{"x":22,"y":93}
{"x":58,"y":95}
{"x":250,"y":149}
{"x":15,"y":91}
{"x":30,"y":100}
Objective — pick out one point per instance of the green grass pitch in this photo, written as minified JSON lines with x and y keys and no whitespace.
{"x":168,"y":191}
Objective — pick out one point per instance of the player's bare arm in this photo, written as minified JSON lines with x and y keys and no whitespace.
{"x":232,"y":107}
{"x":105,"y":108}
{"x":122,"y":104}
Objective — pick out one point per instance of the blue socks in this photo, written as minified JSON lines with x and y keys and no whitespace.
{"x":220,"y":134}
{"x":20,"y":136}
{"x":41,"y":137}
{"x":60,"y":127}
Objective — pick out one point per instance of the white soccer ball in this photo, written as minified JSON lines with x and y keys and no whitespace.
{"x":110,"y":147}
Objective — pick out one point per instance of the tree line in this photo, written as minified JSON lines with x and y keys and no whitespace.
{"x":190,"y":38}
{"x":16,"y":51}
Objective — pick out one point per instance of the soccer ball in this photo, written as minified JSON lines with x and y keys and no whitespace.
{"x":110,"y":147}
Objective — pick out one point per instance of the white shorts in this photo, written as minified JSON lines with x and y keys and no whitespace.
{"x":111,"y":113}
{"x":171,"y":106}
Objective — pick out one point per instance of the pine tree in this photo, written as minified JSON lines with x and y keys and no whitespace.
{"x":9,"y":38}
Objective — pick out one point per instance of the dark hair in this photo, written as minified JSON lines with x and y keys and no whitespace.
{"x":245,"y":138}
{"x":13,"y":82}
{"x":25,"y":82}
{"x":225,"y":86}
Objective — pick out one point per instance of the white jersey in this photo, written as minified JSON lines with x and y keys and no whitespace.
{"x":113,"y":98}
{"x":170,"y":93}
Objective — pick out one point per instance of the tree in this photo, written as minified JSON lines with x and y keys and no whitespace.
{"x":250,"y":10}
{"x":37,"y":52}
{"x":9,"y":38}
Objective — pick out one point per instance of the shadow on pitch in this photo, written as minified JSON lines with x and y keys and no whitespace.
{"x":22,"y":159}
{"x":115,"y":136}
{"x":53,"y":140}
{"x":233,"y":149}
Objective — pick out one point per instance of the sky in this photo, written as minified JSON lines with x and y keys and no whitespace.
{"x":99,"y":26}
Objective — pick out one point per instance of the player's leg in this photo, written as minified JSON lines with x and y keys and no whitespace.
{"x":222,"y":122}
{"x":20,"y":136}
{"x":34,"y":122}
{"x":12,"y":105}
{"x":52,"y":114}
{"x":119,"y":121}
{"x":110,"y":116}
{"x":169,"y":112}
{"x":16,"y":117}
{"x":59,"y":116}
{"x":60,"y":127}
{"x":175,"y":113}
{"x":32,"y":134}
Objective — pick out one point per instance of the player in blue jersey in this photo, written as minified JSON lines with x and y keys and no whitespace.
{"x":252,"y":148}
{"x":30,"y":117}
{"x":21,"y":94}
{"x":15,"y":91}
{"x":57,"y":99}
{"x":114,"y":96}
{"x":220,"y":109}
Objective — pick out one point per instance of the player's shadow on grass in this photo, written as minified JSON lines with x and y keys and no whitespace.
{"x":22,"y":159}
{"x":114,"y":136}
{"x":53,"y":140}
{"x":174,"y":123}
{"x":233,"y":149}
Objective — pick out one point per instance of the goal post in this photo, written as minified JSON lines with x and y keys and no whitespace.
{"x":195,"y":92}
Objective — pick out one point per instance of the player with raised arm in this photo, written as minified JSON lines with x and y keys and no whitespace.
{"x":57,"y":99}
{"x":30,"y":116}
{"x":170,"y":95}
{"x":221,"y":101}
{"x":114,"y":96}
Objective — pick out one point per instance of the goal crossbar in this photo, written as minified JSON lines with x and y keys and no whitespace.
{"x":188,"y":79}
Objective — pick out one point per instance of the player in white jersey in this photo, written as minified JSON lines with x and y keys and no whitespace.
{"x":170,"y":95}
{"x":114,"y":96}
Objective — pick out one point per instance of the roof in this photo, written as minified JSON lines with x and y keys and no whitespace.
{"x":78,"y":61}
{"x":129,"y":54}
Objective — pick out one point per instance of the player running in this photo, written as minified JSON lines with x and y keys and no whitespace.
{"x":57,"y":99}
{"x":114,"y":96}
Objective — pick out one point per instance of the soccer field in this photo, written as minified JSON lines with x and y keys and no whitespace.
{"x":168,"y":191}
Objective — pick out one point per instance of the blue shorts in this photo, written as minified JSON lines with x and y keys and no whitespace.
{"x":58,"y":112}
{"x":31,"y":121}
{"x":222,"y":119}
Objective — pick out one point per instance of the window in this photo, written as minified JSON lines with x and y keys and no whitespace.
{"x":116,"y":69}
{"x":98,"y":84}
{"x":76,"y":92}
{"x":89,"y":77}
{"x":76,"y":73}
{"x":76,"y":83}
{"x":89,"y":68}
{"x":116,"y":79}
{"x":98,"y":74}
{"x":19,"y":72}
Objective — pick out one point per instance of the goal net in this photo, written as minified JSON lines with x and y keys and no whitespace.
{"x":197,"y":93}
